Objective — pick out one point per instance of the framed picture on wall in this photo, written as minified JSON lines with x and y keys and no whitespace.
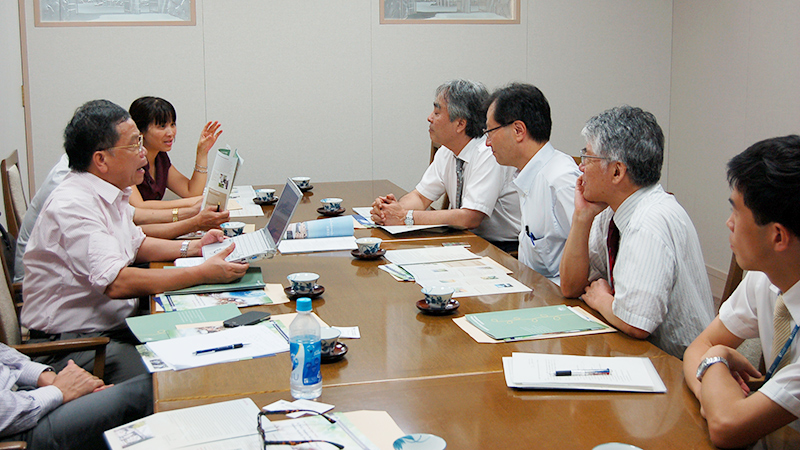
{"x":450,"y":11}
{"x":83,"y":13}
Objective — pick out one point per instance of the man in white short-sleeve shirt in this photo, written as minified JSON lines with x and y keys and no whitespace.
{"x":633,"y":253}
{"x":518,"y":127}
{"x":765,"y":238}
{"x":487,"y":203}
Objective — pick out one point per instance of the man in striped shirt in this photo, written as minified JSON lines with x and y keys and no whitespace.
{"x":632,"y":253}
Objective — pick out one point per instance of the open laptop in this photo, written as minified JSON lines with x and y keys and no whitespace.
{"x":262,"y":243}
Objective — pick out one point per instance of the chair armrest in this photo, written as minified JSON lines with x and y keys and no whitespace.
{"x":98,"y":344}
{"x":67,"y":345}
{"x":14,"y":445}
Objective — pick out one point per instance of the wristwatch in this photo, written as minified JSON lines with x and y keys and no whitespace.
{"x":708,"y":362}
{"x":410,"y":217}
{"x":184,"y":249}
{"x":175,"y":215}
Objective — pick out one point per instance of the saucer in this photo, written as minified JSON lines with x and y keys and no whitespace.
{"x":419,"y":442}
{"x":307,"y":188}
{"x":325,"y":212}
{"x":338,"y":353}
{"x":367,"y":257}
{"x":259,"y":202}
{"x":318,"y":290}
{"x":423,"y":306}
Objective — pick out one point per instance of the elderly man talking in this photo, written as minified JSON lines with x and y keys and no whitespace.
{"x":78,"y":278}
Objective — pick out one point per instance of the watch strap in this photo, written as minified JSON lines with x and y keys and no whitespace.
{"x":409,"y":217}
{"x":184,"y":249}
{"x":708,"y":362}
{"x":175,"y":214}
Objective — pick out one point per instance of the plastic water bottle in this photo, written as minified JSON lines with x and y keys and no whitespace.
{"x":305,"y":350}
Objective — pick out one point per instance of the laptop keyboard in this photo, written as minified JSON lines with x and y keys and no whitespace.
{"x":249,"y":244}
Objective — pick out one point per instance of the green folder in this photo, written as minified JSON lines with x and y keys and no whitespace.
{"x":157,"y":327}
{"x":520,"y":323}
{"x":251,"y":280}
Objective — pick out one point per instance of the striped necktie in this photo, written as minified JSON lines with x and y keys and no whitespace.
{"x":612,"y":242}
{"x":459,"y":181}
{"x":781,"y":323}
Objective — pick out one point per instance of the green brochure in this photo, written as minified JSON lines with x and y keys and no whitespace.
{"x":250,"y":281}
{"x":157,"y":327}
{"x":519,"y":323}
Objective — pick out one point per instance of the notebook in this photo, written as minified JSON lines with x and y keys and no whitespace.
{"x":262,"y":243}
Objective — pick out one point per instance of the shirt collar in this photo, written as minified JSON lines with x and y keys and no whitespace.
{"x":107,"y":191}
{"x":523,"y":178}
{"x":471,"y":149}
{"x":625,"y":211}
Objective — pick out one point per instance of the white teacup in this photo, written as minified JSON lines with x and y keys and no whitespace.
{"x":303,"y":282}
{"x":369,"y":245}
{"x":302,"y":182}
{"x":331,"y":204}
{"x":265,"y":195}
{"x":328,"y":338}
{"x":438,"y":296}
{"x":231,"y":229}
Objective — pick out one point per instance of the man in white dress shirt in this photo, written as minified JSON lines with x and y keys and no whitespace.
{"x":765,"y":237}
{"x":484,"y":200}
{"x":633,"y":253}
{"x":518,"y":132}
{"x":78,"y":279}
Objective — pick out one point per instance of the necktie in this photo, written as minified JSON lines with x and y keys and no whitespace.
{"x":782,"y":326}
{"x":612,"y":242}
{"x":459,"y":181}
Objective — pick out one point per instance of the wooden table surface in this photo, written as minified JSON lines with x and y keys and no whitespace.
{"x":430,"y":376}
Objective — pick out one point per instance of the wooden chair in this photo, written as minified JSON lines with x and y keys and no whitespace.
{"x":11,"y":336}
{"x":13,"y":193}
{"x":735,"y":274}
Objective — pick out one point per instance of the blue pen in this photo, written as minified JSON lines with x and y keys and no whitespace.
{"x":219,"y":349}
{"x":530,"y":235}
{"x":579,"y":372}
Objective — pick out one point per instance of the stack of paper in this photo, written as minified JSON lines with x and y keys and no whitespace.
{"x":365,"y":218}
{"x":538,"y":371}
{"x":521,"y":323}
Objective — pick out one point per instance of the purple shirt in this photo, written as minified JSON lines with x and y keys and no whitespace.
{"x":153,"y":189}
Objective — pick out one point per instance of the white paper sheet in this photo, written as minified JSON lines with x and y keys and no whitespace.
{"x":179,"y":353}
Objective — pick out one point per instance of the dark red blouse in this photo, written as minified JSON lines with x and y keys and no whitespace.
{"x":154,"y":189}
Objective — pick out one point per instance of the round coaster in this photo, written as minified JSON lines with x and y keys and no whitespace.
{"x":423,"y":306}
{"x":338,"y":353}
{"x":325,"y":212}
{"x":368,"y":257}
{"x":318,"y":290}
{"x":260,"y":202}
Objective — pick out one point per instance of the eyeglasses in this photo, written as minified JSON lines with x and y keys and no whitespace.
{"x":584,"y":156}
{"x":265,"y":442}
{"x":134,"y":148}
{"x":486,"y":132}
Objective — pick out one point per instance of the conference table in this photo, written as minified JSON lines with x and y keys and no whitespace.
{"x":429,"y":375}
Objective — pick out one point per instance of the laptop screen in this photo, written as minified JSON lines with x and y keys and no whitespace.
{"x":284,"y":209}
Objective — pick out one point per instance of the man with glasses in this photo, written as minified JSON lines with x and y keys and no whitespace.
{"x":480,"y":192}
{"x":78,"y":282}
{"x":633,"y":253}
{"x":518,"y":132}
{"x":765,"y":237}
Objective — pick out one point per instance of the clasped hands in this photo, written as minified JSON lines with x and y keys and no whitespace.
{"x":388,"y":211}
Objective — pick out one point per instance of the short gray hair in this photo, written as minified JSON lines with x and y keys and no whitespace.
{"x":631,"y":136}
{"x":465,"y":100}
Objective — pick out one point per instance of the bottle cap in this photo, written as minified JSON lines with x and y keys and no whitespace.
{"x":303,"y":304}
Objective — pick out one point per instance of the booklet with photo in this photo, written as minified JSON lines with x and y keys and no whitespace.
{"x":322,"y":228}
{"x":220,"y":179}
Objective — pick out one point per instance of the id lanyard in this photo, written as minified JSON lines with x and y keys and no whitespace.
{"x":780,"y":356}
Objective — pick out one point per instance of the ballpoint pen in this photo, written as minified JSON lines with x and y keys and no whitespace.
{"x":578,"y":372}
{"x":219,"y":349}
